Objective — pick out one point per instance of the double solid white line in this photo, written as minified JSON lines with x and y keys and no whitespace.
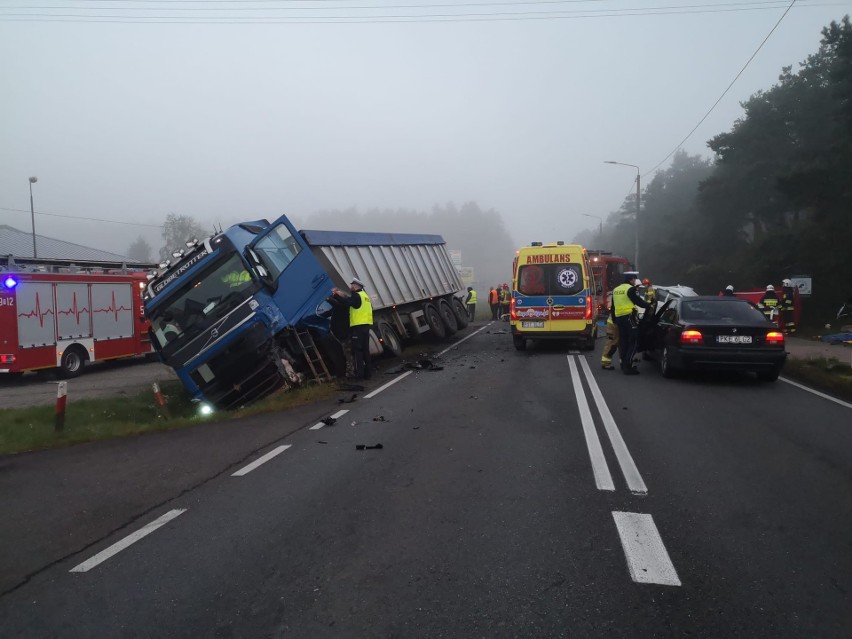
{"x":603,"y":479}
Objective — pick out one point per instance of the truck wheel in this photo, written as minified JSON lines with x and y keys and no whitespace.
{"x":433,"y":318}
{"x":73,"y":361}
{"x":519,"y":342}
{"x":390,"y":339}
{"x":449,"y":317}
{"x":460,"y":312}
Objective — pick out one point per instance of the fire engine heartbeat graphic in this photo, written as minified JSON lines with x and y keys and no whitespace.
{"x":73,"y":310}
{"x":37,"y":312}
{"x":112,"y":308}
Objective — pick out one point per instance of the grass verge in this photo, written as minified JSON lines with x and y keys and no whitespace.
{"x":826,"y":374}
{"x":26,"y":429}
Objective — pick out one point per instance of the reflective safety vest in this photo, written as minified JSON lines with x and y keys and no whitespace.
{"x":620,"y":302}
{"x":505,"y":296}
{"x":493,"y":296}
{"x":236,"y":278}
{"x":364,"y":313}
{"x":472,"y":299}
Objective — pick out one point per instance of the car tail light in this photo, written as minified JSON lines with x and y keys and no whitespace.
{"x":691,"y":337}
{"x":512,"y":310}
{"x":7,"y":359}
{"x":775,"y":338}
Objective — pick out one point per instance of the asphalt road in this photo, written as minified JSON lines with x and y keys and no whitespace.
{"x":515,"y":494}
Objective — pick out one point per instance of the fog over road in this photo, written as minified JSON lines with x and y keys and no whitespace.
{"x":515,"y":494}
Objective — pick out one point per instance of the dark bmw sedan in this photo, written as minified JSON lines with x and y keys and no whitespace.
{"x":717,"y":333}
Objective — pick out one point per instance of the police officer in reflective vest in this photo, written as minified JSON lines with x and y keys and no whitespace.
{"x":471,"y":303}
{"x":625,"y":299}
{"x":360,"y":322}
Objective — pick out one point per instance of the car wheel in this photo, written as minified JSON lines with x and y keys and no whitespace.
{"x":449,"y":317}
{"x":461,"y":313}
{"x":72,"y":363}
{"x":666,"y":367}
{"x":770,"y":375}
{"x":519,"y":342}
{"x":390,"y":339}
{"x":436,"y":324}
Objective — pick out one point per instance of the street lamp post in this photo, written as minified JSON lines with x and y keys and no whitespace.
{"x":600,"y":225}
{"x":33,"y":180}
{"x":638,"y":192}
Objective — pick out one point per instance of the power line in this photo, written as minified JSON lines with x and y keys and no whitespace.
{"x":451,"y":17}
{"x":724,"y":93}
{"x":80,"y":217}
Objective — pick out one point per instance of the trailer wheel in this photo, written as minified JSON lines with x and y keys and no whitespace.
{"x":460,"y":312}
{"x":73,"y":361}
{"x":390,"y":339}
{"x":433,"y":319}
{"x":449,"y":317}
{"x":519,"y":342}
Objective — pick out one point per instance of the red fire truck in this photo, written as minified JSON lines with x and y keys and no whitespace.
{"x":55,"y":315}
{"x":609,"y":272}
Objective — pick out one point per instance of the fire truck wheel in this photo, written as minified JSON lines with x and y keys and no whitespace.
{"x":73,"y":361}
{"x":449,"y":317}
{"x":461,"y":313}
{"x":433,"y":318}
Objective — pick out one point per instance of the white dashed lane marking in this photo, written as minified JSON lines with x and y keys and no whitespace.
{"x":127,"y":541}
{"x":647,"y":558}
{"x":245,"y":470}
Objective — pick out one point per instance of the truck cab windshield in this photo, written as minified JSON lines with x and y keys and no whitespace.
{"x":205,"y":299}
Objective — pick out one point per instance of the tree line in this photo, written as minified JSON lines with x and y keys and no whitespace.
{"x":774,"y":202}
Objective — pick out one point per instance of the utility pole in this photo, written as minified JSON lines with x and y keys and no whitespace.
{"x":33,"y":180}
{"x":638,"y":206}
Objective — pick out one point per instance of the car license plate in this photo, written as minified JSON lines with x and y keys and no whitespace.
{"x":532,"y":324}
{"x":733,"y":339}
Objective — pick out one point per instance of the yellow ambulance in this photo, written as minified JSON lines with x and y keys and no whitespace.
{"x":553,"y":295}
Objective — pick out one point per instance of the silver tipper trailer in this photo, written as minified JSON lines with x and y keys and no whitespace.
{"x":411,"y":281}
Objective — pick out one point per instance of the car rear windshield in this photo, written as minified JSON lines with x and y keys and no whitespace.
{"x":719,"y":310}
{"x":550,"y":279}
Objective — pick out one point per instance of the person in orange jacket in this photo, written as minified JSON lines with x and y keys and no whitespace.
{"x":494,"y":303}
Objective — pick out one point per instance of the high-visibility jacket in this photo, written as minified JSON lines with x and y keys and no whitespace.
{"x":505,"y":296}
{"x":364,"y":313}
{"x":622,"y":304}
{"x":236,"y":278}
{"x":471,"y":297}
{"x":493,"y":296}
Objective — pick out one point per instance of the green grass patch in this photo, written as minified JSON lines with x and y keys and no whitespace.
{"x":86,"y":420}
{"x":826,"y":374}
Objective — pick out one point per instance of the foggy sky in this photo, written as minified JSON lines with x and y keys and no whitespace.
{"x":232,"y":122}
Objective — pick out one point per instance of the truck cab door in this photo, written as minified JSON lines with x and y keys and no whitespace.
{"x":285,"y":264}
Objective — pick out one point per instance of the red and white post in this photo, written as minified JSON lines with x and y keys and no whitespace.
{"x":161,"y":400}
{"x":61,"y":397}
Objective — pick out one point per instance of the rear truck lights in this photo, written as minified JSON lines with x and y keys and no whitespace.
{"x":7,"y":359}
{"x":691,"y":337}
{"x":775,"y":338}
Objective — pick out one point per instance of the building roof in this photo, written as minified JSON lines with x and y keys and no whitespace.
{"x":19,"y":244}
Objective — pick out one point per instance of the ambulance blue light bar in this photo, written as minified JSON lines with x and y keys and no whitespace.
{"x":10,"y":282}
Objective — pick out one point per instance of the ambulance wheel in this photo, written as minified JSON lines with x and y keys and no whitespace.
{"x":519,"y":342}
{"x":433,"y":319}
{"x":390,"y":339}
{"x":461,"y":313}
{"x":449,"y":317}
{"x":73,"y":361}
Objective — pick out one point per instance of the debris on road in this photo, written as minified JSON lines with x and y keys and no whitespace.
{"x":421,"y":364}
{"x":347,"y":401}
{"x":365,"y":447}
{"x":319,"y":441}
{"x":380,"y":418}
{"x":350,"y":387}
{"x":328,"y":421}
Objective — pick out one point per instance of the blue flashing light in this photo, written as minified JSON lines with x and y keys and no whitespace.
{"x":10,"y":282}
